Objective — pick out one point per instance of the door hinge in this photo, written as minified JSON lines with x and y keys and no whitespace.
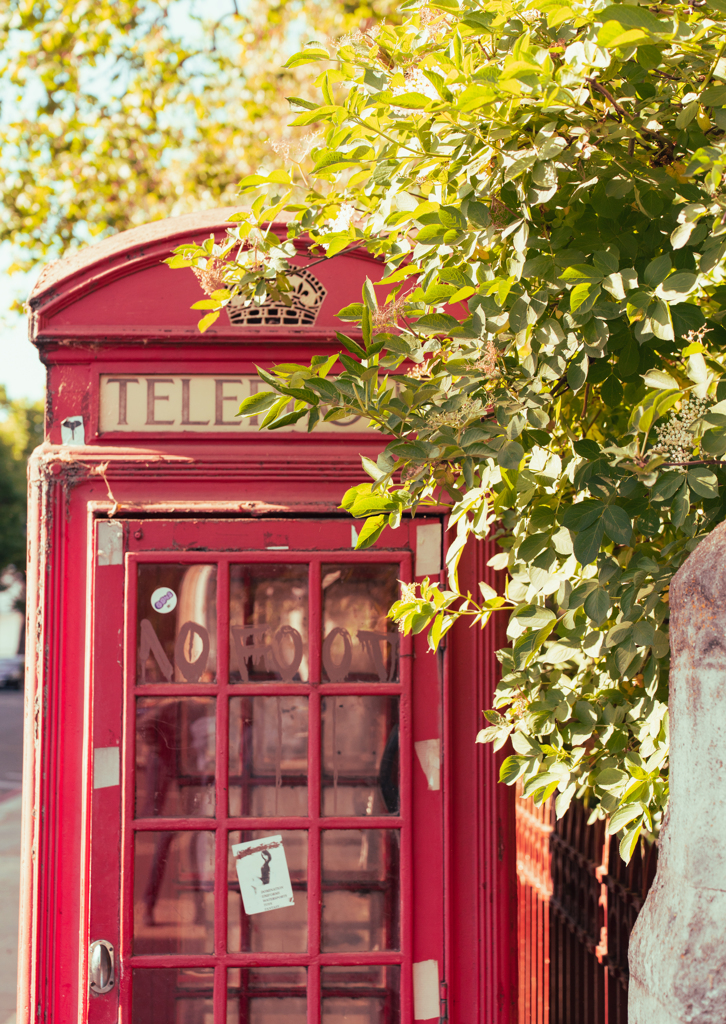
{"x":443,"y":1002}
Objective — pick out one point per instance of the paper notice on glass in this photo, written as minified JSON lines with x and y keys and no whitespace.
{"x":263,"y":875}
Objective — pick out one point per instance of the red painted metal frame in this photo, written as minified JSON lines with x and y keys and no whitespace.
{"x":222,"y":825}
{"x":72,"y":707}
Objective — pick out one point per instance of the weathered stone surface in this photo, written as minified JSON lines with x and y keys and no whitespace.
{"x":678,"y":946}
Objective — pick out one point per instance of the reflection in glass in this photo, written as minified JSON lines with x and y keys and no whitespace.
{"x":267,"y":995}
{"x":268,"y":756}
{"x":275,"y":931}
{"x":179,"y":645}
{"x":361,"y":995}
{"x":359,"y":643}
{"x":268,"y":623}
{"x":175,"y":756}
{"x":360,"y":755}
{"x":174,"y":892}
{"x":361,"y":893}
{"x":182,"y":996}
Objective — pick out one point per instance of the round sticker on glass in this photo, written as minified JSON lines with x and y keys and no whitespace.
{"x":163,"y":600}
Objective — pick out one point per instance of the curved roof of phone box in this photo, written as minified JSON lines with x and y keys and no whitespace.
{"x":128,"y":308}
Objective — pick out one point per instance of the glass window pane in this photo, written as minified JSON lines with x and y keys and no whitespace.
{"x":268,"y":623}
{"x":274,"y":931}
{"x":361,"y":892}
{"x":177,"y":623}
{"x":361,"y":995}
{"x":267,"y":995}
{"x":359,"y":643}
{"x":175,"y":756}
{"x":360,"y":755}
{"x":268,"y":756}
{"x":173,"y":996}
{"x":174,"y":892}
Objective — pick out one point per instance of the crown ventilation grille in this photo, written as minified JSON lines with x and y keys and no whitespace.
{"x":306,"y":296}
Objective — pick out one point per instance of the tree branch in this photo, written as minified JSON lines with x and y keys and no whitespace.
{"x":667,"y":143}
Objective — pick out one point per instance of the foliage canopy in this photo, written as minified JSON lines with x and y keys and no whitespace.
{"x":544,"y":186}
{"x":117,"y":112}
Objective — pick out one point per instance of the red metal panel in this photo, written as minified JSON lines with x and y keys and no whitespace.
{"x":483,"y":880}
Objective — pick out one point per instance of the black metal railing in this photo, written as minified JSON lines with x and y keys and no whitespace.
{"x":578,"y":902}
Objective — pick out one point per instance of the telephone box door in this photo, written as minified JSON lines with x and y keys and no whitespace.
{"x":266,"y":820}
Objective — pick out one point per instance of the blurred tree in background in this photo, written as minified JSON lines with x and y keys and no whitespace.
{"x":21,"y":430}
{"x":118,"y":112}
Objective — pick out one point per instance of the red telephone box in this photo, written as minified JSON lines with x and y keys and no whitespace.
{"x":248,"y":797}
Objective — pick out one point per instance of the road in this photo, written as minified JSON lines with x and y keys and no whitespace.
{"x":11,"y":753}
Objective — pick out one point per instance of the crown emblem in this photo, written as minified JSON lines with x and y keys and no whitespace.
{"x":306,"y":296}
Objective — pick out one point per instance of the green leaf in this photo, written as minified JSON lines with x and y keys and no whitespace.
{"x":585,"y":712}
{"x":586,"y":545}
{"x":510,"y":455}
{"x":370,"y":532}
{"x":714,"y":96}
{"x":629,"y":360}
{"x":478,"y":214}
{"x":207,"y":321}
{"x":287,"y":421}
{"x":678,"y":285}
{"x":597,"y":606}
{"x":681,"y":506}
{"x":412,"y":101}
{"x":436,"y":323}
{"x":307,"y":57}
{"x":612,"y":391}
{"x":587,"y":449}
{"x":313,"y":116}
{"x":657,"y":270}
{"x":354,"y":311}
{"x":617,"y":524}
{"x":659,"y":379}
{"x":351,"y":345}
{"x":583,"y":297}
{"x":666,"y":486}
{"x":635,"y":18}
{"x":629,"y":842}
{"x":257,"y":403}
{"x":682,"y":121}
{"x":611,"y":778}
{"x":577,"y":371}
{"x":643,"y":634}
{"x":583,"y":514}
{"x":582,"y":272}
{"x":703,"y":481}
{"x":622,"y":816}
{"x":511,"y":769}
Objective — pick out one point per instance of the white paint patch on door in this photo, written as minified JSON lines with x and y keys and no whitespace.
{"x":429,"y":756}
{"x":426,"y":990}
{"x":428,"y":549}
{"x":110,"y":542}
{"x":106,"y":767}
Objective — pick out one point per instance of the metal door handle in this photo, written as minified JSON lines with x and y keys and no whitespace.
{"x":100,"y":967}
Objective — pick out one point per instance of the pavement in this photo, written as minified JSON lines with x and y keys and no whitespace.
{"x":11,"y":753}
